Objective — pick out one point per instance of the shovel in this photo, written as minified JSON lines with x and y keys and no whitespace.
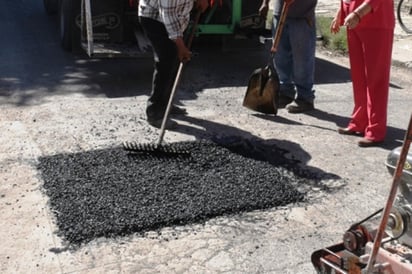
{"x":262,"y":94}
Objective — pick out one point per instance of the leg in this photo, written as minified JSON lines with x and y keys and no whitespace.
{"x":303,"y":42}
{"x":283,"y":62}
{"x":359,"y":119}
{"x":378,"y":64}
{"x":165,"y":64}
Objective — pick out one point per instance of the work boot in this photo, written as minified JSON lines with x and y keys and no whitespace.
{"x":177,"y":110}
{"x":283,"y":101}
{"x":157,"y":122}
{"x":300,"y":106}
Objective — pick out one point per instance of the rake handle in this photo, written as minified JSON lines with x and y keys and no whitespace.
{"x":279,"y":28}
{"x":177,"y":80}
{"x":169,"y":104}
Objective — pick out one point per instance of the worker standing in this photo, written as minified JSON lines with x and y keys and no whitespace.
{"x":295,"y":55}
{"x":164,"y":22}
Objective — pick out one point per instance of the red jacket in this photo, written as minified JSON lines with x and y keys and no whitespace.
{"x":382,"y":15}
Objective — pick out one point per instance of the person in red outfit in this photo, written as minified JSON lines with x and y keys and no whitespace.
{"x":370,"y":28}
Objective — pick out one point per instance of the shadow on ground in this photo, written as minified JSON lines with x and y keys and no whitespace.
{"x":394,"y":136}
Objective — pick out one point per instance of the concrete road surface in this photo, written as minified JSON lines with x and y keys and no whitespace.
{"x":53,"y":102}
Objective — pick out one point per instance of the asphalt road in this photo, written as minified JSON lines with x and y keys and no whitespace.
{"x":56,"y":103}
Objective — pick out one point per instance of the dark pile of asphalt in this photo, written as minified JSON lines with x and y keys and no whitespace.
{"x":110,"y":193}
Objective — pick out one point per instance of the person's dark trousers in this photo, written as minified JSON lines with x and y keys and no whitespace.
{"x":165,"y":67}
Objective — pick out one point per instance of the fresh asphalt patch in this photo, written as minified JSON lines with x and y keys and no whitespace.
{"x":110,"y":192}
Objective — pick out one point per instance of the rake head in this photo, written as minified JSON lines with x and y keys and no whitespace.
{"x":156,"y":149}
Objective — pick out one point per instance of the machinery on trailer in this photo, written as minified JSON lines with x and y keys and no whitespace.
{"x":110,"y":28}
{"x":381,"y":243}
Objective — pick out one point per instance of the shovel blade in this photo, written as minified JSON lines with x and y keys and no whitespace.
{"x":262,"y":93}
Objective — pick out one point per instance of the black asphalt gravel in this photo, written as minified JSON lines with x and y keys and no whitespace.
{"x":110,"y":192}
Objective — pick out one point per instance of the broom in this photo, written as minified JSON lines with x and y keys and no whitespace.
{"x":158,"y":148}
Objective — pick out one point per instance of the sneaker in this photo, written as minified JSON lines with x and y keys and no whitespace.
{"x":299,"y":106}
{"x":177,"y":110}
{"x":283,"y":101}
{"x":157,"y":123}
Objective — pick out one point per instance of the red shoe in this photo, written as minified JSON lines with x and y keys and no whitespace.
{"x":369,"y":143}
{"x":347,"y":131}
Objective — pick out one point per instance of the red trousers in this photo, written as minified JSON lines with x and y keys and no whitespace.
{"x":370,"y":55}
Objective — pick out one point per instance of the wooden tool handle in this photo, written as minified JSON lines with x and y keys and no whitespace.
{"x":280,"y":25}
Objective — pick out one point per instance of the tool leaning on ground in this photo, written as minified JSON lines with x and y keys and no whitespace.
{"x":391,"y":198}
{"x":262,"y":93}
{"x":159,"y":148}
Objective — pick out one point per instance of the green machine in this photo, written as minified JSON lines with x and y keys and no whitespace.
{"x":232,"y":17}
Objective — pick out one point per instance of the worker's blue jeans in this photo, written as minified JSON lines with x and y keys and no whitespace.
{"x":165,"y":67}
{"x":295,"y":58}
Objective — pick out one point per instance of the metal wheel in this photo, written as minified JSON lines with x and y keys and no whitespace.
{"x":404,"y":13}
{"x":51,"y":6}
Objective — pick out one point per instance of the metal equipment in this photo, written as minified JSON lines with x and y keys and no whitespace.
{"x":381,"y":243}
